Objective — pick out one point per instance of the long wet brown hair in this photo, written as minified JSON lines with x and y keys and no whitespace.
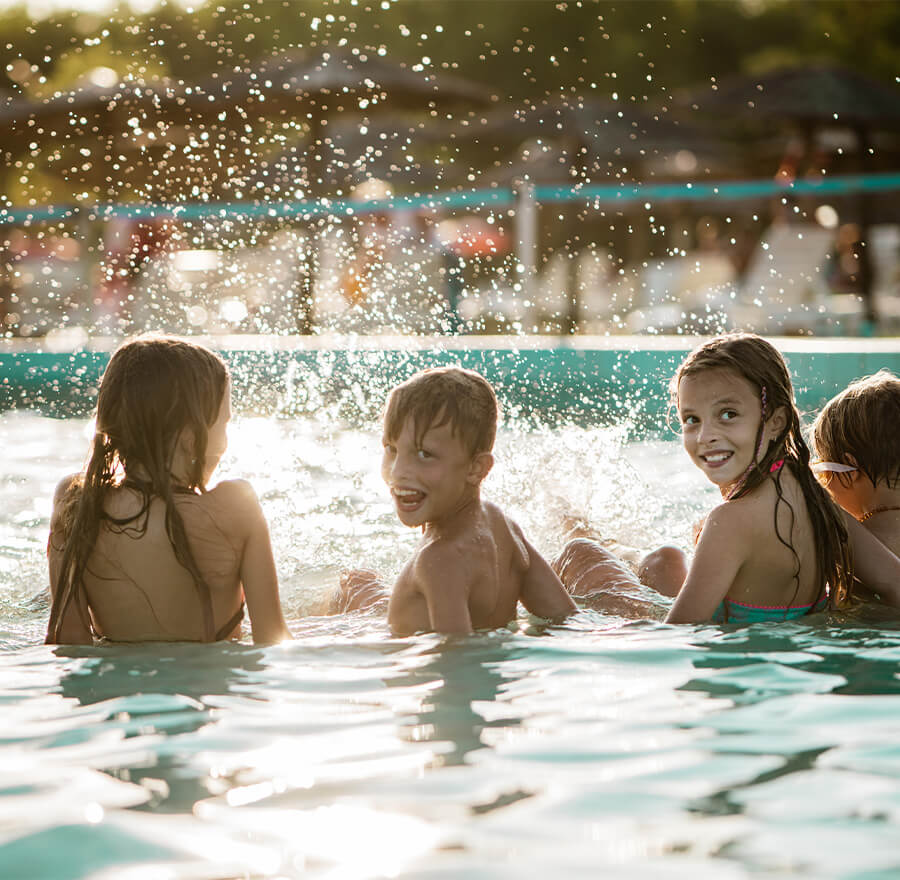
{"x":153,"y":389}
{"x":761,"y":364}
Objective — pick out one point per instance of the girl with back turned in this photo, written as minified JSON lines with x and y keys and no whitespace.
{"x":777,"y":548}
{"x":140,"y":549}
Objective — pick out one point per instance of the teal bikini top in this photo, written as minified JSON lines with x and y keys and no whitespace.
{"x":730,"y":611}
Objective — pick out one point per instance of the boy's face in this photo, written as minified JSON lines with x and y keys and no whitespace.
{"x":431,"y":480}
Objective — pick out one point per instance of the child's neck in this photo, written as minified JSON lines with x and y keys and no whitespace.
{"x":883,"y":500}
{"x":457,"y":518}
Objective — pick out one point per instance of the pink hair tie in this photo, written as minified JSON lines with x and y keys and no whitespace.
{"x":776,"y":466}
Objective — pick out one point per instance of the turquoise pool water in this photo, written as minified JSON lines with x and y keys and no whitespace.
{"x":599,"y":748}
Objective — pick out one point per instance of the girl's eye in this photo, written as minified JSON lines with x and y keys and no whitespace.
{"x":423,"y":453}
{"x":689,"y":420}
{"x":729,"y":414}
{"x":391,"y":450}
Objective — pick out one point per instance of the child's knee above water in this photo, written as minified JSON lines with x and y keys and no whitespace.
{"x":858,"y":455}
{"x":139,"y":549}
{"x":474,"y":564}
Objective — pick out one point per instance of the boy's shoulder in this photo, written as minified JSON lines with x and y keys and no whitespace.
{"x":499,"y":519}
{"x":488,"y":527}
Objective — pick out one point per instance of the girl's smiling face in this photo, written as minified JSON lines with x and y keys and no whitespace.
{"x":720,"y":414}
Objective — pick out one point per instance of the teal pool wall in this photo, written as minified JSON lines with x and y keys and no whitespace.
{"x":588,"y":380}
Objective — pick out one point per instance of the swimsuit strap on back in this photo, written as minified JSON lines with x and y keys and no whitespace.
{"x":235,"y":619}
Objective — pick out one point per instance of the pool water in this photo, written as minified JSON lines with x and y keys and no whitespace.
{"x":602,"y":747}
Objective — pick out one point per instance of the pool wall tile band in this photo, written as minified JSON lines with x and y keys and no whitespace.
{"x":588,"y":379}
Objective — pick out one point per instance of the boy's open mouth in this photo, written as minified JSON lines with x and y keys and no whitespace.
{"x":408,"y":499}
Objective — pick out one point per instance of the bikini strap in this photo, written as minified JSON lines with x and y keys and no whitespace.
{"x":226,"y":630}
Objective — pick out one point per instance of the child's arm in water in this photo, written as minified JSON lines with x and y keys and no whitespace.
{"x":75,"y":624}
{"x":543,"y":593}
{"x":724,"y":544}
{"x":876,"y":567}
{"x":258,"y":575}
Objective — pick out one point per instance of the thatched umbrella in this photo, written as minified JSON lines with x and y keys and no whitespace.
{"x":305,"y":88}
{"x":169,"y":137}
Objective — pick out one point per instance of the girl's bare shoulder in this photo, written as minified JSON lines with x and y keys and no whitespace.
{"x":236,"y":491}
{"x":68,"y":484}
{"x":234,"y":499}
{"x":64,"y":496}
{"x":741,"y":516}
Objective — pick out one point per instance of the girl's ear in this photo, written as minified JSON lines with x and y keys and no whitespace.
{"x":479,"y":468}
{"x":777,"y":421}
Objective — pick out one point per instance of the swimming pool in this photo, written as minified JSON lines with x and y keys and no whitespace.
{"x":629,"y":749}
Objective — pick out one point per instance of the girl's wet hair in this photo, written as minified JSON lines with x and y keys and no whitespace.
{"x":153,"y":389}
{"x":761,"y":364}
{"x":445,"y":395}
{"x":863,"y":422}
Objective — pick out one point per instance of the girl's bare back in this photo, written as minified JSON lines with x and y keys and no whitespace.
{"x":137,"y":590}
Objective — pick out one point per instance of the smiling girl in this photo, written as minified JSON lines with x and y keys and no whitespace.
{"x":777,"y":547}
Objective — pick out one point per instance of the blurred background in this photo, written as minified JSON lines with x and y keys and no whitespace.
{"x":449,"y":167}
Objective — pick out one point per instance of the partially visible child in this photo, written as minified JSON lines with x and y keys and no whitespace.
{"x":140,"y":549}
{"x":856,"y":439}
{"x":473,"y":565}
{"x":777,"y":548}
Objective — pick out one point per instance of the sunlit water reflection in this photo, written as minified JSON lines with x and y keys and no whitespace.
{"x":629,"y":748}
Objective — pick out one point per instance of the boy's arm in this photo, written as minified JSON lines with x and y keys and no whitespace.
{"x":543,"y":593}
{"x":440,"y":576}
{"x":258,"y":575}
{"x":721,"y":550}
{"x":74,"y":625}
{"x":876,"y":567}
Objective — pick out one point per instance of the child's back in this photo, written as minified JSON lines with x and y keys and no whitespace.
{"x":137,"y":589}
{"x":777,"y":573}
{"x":139,"y":549}
{"x":481,"y":566}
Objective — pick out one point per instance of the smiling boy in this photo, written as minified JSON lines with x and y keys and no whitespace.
{"x":473,"y":564}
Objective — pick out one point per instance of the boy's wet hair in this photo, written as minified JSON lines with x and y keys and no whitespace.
{"x":445,"y":395}
{"x":758,"y":362}
{"x":863,"y":421}
{"x":153,"y":388}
